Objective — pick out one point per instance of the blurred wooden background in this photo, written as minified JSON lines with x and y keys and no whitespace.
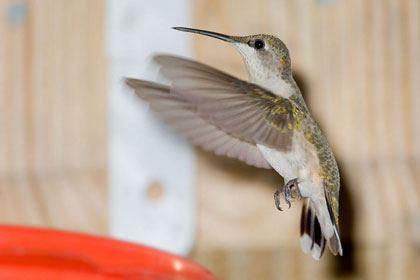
{"x":53,"y":101}
{"x":358,"y":63}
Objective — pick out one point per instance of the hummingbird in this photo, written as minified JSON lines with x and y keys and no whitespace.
{"x":263,"y":121}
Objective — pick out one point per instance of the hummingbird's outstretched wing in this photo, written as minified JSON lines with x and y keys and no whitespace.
{"x":242,"y":109}
{"x":220,"y":112}
{"x":183,"y":117}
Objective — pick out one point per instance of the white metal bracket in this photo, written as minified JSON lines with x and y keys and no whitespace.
{"x":151,"y":169}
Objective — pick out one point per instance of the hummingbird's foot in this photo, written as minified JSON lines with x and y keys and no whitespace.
{"x":287,"y":191}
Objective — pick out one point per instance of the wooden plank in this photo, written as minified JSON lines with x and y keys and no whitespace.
{"x":53,"y":114}
{"x":76,"y":202}
{"x":53,"y":91}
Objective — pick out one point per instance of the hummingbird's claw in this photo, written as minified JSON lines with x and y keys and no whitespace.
{"x":287,"y":191}
{"x":277,"y":199}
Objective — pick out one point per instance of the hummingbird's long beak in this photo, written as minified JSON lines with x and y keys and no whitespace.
{"x":207,"y":33}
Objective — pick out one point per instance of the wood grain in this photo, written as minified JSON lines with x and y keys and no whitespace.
{"x":76,"y":202}
{"x":53,"y":92}
{"x":53,"y":114}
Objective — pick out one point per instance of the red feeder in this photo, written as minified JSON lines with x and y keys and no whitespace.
{"x":30,"y":253}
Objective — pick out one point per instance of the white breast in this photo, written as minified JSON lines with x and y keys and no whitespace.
{"x":287,"y":164}
{"x":300,"y":162}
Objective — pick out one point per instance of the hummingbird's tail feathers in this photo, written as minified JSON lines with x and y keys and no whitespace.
{"x":183,"y":117}
{"x":311,"y":237}
{"x":334,"y":243}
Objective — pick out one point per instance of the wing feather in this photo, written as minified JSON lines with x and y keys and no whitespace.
{"x":219,"y":112}
{"x":243,"y":110}
{"x":183,"y":117}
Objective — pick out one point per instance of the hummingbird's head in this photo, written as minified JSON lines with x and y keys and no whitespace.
{"x":265,"y":56}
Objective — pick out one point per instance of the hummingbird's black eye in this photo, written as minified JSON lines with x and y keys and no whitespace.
{"x":259,"y":44}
